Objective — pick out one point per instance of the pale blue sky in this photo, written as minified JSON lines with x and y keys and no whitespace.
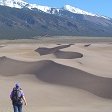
{"x":101,"y":7}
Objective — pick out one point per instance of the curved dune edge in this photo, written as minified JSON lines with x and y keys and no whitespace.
{"x":58,"y":53}
{"x":54,"y":73}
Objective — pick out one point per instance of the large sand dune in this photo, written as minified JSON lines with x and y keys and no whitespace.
{"x":58,"y":77}
{"x":54,"y":73}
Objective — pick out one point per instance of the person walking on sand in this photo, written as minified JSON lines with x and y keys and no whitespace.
{"x":17,"y":97}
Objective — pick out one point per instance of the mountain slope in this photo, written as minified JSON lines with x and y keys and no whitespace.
{"x":30,"y":20}
{"x":22,"y":4}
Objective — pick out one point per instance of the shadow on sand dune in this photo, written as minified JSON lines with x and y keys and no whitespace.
{"x":58,"y":53}
{"x":54,"y":73}
{"x":45,"y":51}
{"x":67,"y":55}
{"x":87,"y":45}
{"x":1,"y":46}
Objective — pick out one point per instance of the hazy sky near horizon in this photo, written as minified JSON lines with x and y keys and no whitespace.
{"x":101,"y":7}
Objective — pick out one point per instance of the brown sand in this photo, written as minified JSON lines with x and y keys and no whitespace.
{"x":51,"y":72}
{"x":58,"y":77}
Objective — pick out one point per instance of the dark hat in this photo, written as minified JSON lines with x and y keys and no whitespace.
{"x":17,"y":85}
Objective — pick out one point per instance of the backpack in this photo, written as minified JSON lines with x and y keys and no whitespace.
{"x":16,"y":96}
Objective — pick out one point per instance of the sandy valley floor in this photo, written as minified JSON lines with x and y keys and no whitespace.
{"x":58,"y":77}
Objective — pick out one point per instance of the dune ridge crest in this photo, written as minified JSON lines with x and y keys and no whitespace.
{"x":54,"y":73}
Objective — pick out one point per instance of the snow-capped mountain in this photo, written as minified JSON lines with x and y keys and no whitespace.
{"x":24,"y":20}
{"x":77,"y":10}
{"x":14,"y":3}
{"x":22,"y":4}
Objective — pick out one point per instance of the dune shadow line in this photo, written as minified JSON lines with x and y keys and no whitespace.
{"x":54,"y":73}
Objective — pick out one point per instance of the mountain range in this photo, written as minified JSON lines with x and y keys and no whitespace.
{"x":19,"y":19}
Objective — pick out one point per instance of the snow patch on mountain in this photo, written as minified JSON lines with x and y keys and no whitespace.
{"x":42,"y":8}
{"x":77,"y":10}
{"x":22,"y":4}
{"x":13,"y":3}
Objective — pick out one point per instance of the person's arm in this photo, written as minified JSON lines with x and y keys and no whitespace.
{"x":24,"y":99}
{"x":11,"y":95}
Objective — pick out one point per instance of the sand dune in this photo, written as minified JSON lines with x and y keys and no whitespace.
{"x":54,"y":73}
{"x":58,"y":76}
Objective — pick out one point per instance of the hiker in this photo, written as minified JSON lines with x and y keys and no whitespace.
{"x":17,"y":97}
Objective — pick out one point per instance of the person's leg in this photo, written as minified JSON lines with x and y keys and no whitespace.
{"x":15,"y":108}
{"x":19,"y":108}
